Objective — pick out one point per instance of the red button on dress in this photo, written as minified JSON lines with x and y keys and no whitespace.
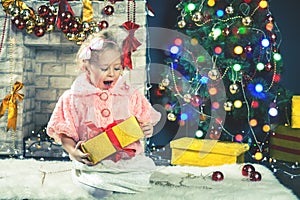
{"x":103,"y":96}
{"x":105,"y":112}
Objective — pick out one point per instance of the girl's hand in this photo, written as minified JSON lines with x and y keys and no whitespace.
{"x":147,"y":128}
{"x":78,"y":155}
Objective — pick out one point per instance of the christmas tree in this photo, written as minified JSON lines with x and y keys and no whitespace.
{"x":224,"y":75}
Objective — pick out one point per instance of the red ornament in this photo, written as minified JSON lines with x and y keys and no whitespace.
{"x":39,"y":31}
{"x":108,"y":10}
{"x":103,"y":24}
{"x":18,"y":22}
{"x":66,"y":16}
{"x":44,"y":10}
{"x":50,"y":19}
{"x":247,"y":169}
{"x":255,"y":176}
{"x":196,"y":101}
{"x":217,"y":176}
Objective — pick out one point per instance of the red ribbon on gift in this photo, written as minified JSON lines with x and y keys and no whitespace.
{"x":130,"y":43}
{"x":62,"y":7}
{"x":114,"y":140}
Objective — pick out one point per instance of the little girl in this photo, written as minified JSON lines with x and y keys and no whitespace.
{"x":100,"y":96}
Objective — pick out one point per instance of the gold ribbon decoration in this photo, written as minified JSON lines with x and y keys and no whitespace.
{"x":10,"y":103}
{"x":87,"y":12}
{"x":19,"y":4}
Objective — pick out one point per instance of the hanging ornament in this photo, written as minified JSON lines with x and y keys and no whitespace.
{"x":25,"y":14}
{"x":108,"y":10}
{"x":39,"y":31}
{"x":247,"y":21}
{"x":233,"y":88}
{"x":217,"y":176}
{"x":103,"y":24}
{"x":226,"y":31}
{"x":43,"y":11}
{"x":255,"y":176}
{"x":187,"y":98}
{"x":181,"y":23}
{"x":229,"y":10}
{"x":171,"y":117}
{"x":203,"y":117}
{"x":165,"y":82}
{"x":213,"y":74}
{"x":39,"y":21}
{"x":196,"y":101}
{"x":247,"y":169}
{"x":30,"y":24}
{"x":228,"y":106}
{"x":197,"y":17}
{"x":161,"y":87}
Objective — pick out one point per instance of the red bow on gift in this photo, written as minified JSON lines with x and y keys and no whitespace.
{"x":130,"y":44}
{"x":114,"y":140}
{"x":62,"y":7}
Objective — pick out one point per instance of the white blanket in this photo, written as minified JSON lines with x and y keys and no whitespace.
{"x":32,"y":179}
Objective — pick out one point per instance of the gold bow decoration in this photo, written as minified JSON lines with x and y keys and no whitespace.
{"x":10,"y":103}
{"x":20,"y":4}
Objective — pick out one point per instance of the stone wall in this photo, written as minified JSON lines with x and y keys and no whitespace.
{"x":46,"y":66}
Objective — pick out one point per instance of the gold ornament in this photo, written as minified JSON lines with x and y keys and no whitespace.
{"x":71,"y":36}
{"x":233,"y":88}
{"x":171,"y":117}
{"x":213,"y":74}
{"x":228,"y":106}
{"x":187,"y":98}
{"x":247,"y":21}
{"x":229,"y":10}
{"x":50,"y":28}
{"x":30,"y":24}
{"x":161,"y":87}
{"x":181,"y":23}
{"x":165,"y":82}
{"x":25,"y":14}
{"x":197,"y":17}
{"x":40,"y":21}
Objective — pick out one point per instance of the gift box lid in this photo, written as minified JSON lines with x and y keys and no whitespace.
{"x":287,"y":131}
{"x":296,"y":106}
{"x":212,"y":146}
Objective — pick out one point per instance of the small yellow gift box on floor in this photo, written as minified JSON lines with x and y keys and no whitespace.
{"x":203,"y":152}
{"x":296,"y":112}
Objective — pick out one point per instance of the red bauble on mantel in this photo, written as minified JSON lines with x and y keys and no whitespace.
{"x":255,"y":176}
{"x":108,"y":10}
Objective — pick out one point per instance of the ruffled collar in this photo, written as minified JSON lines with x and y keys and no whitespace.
{"x":82,"y":86}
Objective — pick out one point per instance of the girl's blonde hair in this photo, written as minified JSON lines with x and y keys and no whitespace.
{"x":109,"y":43}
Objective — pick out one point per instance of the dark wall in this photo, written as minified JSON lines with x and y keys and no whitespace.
{"x":286,"y":14}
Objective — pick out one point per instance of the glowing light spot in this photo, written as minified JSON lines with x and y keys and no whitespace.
{"x":184,"y":116}
{"x":277,"y":56}
{"x":211,"y":3}
{"x":220,"y":13}
{"x":263,"y":4}
{"x":237,"y":67}
{"x":266,"y":128}
{"x":204,"y":80}
{"x":239,"y":137}
{"x":218,"y":50}
{"x":258,"y":155}
{"x":191,"y":7}
{"x":199,"y":133}
{"x":178,"y":41}
{"x":273,"y":112}
{"x":213,"y":91}
{"x":253,"y":122}
{"x":259,"y":87}
{"x":201,"y":59}
{"x":254,"y":104}
{"x":238,"y":103}
{"x":238,"y":50}
{"x":174,"y":49}
{"x":215,"y":105}
{"x":260,"y":66}
{"x":265,"y":42}
{"x":269,"y":26}
{"x":194,"y":41}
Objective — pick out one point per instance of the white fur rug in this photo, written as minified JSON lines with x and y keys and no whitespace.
{"x":32,"y":179}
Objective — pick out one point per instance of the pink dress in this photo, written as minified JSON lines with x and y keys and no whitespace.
{"x":84,"y":104}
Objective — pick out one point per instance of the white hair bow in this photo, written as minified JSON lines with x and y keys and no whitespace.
{"x":95,"y":44}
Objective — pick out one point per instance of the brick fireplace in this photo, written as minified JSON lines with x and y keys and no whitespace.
{"x":46,"y":65}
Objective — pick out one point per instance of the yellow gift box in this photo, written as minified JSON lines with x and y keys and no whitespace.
{"x":102,"y":146}
{"x":296,"y":112}
{"x":203,"y":152}
{"x":285,"y":144}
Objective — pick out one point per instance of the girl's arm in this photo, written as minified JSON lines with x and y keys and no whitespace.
{"x":74,"y":150}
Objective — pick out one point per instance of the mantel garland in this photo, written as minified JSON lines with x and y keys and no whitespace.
{"x":57,"y":14}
